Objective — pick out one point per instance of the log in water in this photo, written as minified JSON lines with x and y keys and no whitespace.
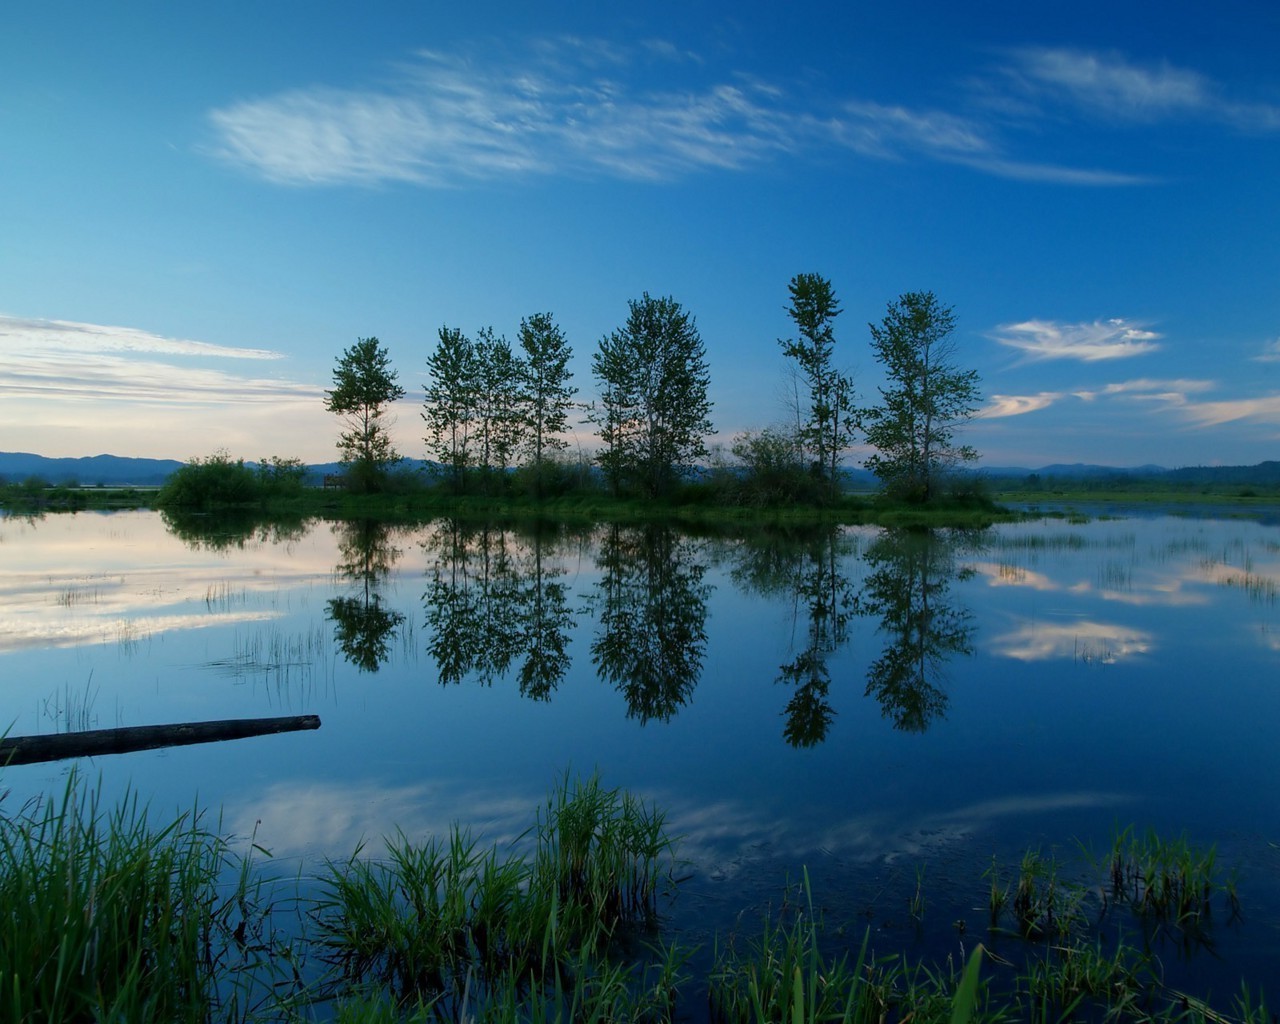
{"x":92,"y":742}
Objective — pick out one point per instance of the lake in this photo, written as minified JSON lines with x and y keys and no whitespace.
{"x":884,"y":708}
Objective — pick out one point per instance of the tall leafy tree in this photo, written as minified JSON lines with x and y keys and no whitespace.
{"x":497,"y":389}
{"x":926,"y":396}
{"x":546,"y":391}
{"x":655,"y":412}
{"x":831,"y":419}
{"x":364,"y":385}
{"x":450,"y":406}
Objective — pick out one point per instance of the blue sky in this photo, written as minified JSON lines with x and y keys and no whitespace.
{"x":202,"y":205}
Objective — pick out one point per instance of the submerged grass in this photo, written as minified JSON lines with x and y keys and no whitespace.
{"x":109,"y":918}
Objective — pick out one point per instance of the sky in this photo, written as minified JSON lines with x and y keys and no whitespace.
{"x":203,"y":205}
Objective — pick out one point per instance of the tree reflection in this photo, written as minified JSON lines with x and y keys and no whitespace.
{"x":233,"y":528}
{"x":492,"y":599}
{"x":651,"y":608}
{"x":363,"y":626}
{"x":907,"y":587}
{"x":809,"y":569}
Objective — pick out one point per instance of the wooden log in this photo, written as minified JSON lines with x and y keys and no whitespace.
{"x":92,"y":742}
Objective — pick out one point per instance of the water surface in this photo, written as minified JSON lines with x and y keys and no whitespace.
{"x":863,"y":703}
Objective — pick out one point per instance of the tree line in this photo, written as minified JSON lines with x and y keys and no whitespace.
{"x":490,"y":407}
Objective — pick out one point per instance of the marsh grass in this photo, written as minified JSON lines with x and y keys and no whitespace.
{"x":1168,"y":880}
{"x":469,"y":931}
{"x":785,"y":976}
{"x":108,"y":918}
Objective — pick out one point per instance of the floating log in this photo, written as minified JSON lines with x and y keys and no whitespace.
{"x":92,"y":742}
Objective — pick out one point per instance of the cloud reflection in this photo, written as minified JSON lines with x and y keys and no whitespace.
{"x":1081,"y":641}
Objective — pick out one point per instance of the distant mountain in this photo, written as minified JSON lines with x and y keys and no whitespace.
{"x":96,"y":469}
{"x":120,"y":470}
{"x":1075,"y":471}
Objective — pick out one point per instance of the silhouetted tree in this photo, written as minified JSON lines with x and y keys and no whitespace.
{"x":831,"y":420}
{"x":364,"y":385}
{"x":655,"y":413}
{"x":926,"y":397}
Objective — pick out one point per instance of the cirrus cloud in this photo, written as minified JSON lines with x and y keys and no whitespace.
{"x":1116,"y":338}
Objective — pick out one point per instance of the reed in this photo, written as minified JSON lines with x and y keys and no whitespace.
{"x":109,"y":918}
{"x":1167,"y":879}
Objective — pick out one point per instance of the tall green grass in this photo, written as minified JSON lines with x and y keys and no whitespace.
{"x":109,"y":918}
{"x":468,"y":930}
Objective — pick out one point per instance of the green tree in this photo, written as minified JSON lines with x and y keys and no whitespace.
{"x":497,"y":388}
{"x":451,"y":401}
{"x":831,"y":421}
{"x":924,"y":399}
{"x":655,"y":412}
{"x":364,"y":385}
{"x":546,"y":391}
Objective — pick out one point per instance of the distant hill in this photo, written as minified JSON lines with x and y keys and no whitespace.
{"x":120,"y":470}
{"x":96,"y":469}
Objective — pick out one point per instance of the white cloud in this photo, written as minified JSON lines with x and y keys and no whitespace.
{"x":1265,"y":409}
{"x":1119,"y":89}
{"x":1017,"y":405}
{"x":20,"y":335}
{"x":1270,"y":353}
{"x":61,"y":382}
{"x":1088,"y":342}
{"x":580,"y":107}
{"x":448,"y":119}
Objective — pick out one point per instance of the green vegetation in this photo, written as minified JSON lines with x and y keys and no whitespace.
{"x":926,"y":398}
{"x":109,"y":917}
{"x":364,"y":384}
{"x":831,"y":419}
{"x":219,"y":481}
{"x":654,"y":413}
{"x":35,"y":496}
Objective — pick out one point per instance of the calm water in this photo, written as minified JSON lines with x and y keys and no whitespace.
{"x":865,"y":703}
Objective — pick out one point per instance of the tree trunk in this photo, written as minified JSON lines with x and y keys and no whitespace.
{"x":92,"y":742}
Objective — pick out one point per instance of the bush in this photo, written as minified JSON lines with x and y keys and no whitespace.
{"x":219,"y":481}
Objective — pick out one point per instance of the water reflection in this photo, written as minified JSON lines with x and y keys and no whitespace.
{"x":808,"y":571}
{"x":911,"y":572}
{"x":234,"y":529}
{"x":491,"y":598}
{"x":363,"y":626}
{"x":651,"y":614}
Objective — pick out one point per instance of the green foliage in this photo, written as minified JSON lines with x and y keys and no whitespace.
{"x":925,"y":398}
{"x":450,"y":405}
{"x":220,"y":481}
{"x":654,"y":413}
{"x":364,"y":385}
{"x":547,"y":393}
{"x":108,"y":918}
{"x":831,"y":419}
{"x":210,"y":482}
{"x":773,"y":471}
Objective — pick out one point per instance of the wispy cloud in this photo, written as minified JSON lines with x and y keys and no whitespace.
{"x":1112,"y":86}
{"x":23,"y":335}
{"x":1270,"y":353}
{"x":447,"y":119}
{"x":571,"y":106}
{"x":1264,"y":409}
{"x":1001,"y":406}
{"x":1088,"y":342}
{"x":66,"y":360}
